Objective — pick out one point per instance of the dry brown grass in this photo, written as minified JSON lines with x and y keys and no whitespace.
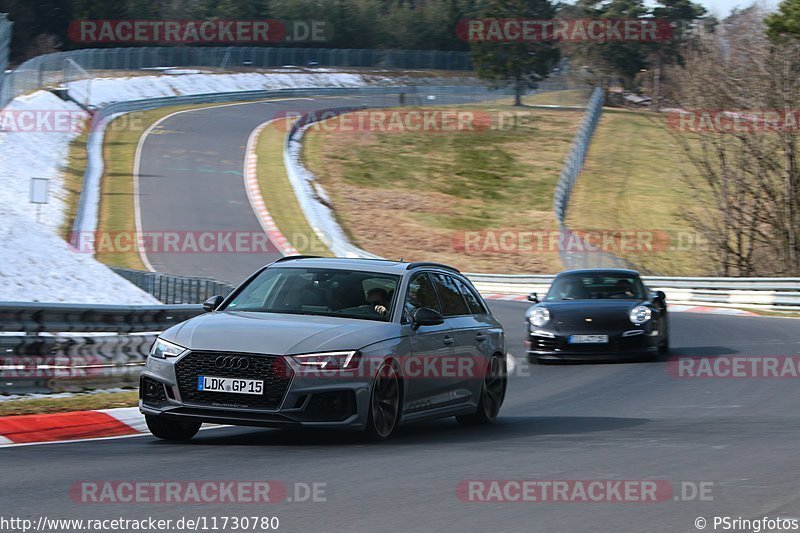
{"x":413,"y":195}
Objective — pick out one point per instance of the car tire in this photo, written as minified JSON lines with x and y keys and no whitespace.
{"x":663,"y":346}
{"x":493,"y":392}
{"x":171,"y":429}
{"x":384,"y":404}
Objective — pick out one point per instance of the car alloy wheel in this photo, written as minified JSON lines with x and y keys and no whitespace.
{"x":493,"y":391}
{"x":384,"y":408}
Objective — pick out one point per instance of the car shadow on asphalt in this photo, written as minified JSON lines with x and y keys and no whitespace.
{"x":444,"y":431}
{"x":674,"y":353}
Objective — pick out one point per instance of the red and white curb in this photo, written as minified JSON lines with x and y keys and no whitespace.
{"x":257,"y":201}
{"x":71,"y":426}
{"x":675,"y":308}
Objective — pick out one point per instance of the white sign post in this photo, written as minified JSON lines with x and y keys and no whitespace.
{"x":40,"y":189}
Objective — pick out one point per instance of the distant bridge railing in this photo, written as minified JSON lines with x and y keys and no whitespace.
{"x":55,"y":69}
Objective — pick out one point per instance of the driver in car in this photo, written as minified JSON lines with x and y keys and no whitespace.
{"x":623,"y":289}
{"x":379,"y":300}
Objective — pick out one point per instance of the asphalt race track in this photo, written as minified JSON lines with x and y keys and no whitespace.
{"x":567,"y":422}
{"x":632,"y":421}
{"x":190,"y":177}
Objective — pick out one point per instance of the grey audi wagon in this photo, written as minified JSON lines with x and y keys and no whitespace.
{"x":330,"y":343}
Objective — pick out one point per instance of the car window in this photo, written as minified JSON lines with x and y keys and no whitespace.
{"x":474,"y":304}
{"x":420,"y":294}
{"x":453,"y":303}
{"x":318,"y":291}
{"x":596,"y":287}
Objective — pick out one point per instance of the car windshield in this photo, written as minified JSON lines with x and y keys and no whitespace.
{"x":596,"y":287}
{"x":319,"y":291}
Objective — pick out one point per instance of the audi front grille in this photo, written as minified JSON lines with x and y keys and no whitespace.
{"x":272,"y":370}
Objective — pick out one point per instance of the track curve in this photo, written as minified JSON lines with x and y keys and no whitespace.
{"x":604,"y":421}
{"x":189,"y":177}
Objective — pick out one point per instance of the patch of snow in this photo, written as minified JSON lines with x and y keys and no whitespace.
{"x":102,"y":91}
{"x":184,"y":71}
{"x":35,"y":154}
{"x":36,"y":265}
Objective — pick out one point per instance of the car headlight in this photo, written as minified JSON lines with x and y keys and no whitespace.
{"x":540,"y":316}
{"x":330,"y":360}
{"x":163,"y":349}
{"x":640,"y":314}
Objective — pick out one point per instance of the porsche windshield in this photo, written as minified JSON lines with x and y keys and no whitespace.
{"x":596,"y":287}
{"x":317,"y":291}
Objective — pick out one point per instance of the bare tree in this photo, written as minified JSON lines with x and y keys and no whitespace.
{"x":750,"y":179}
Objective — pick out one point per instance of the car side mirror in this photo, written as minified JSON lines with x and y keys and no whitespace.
{"x":212,"y":303}
{"x":425,"y":316}
{"x":533,"y":297}
{"x":659,"y":295}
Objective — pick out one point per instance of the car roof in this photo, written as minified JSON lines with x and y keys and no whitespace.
{"x":600,"y":271}
{"x":383,"y":266}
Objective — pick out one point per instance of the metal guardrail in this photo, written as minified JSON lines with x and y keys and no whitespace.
{"x":169,"y":289}
{"x":766,"y":293}
{"x":5,"y":47}
{"x":52,"y":69}
{"x":574,"y":161}
{"x":566,"y":183}
{"x":319,"y":215}
{"x":73,"y":347}
{"x":35,"y":364}
{"x":121,"y":319}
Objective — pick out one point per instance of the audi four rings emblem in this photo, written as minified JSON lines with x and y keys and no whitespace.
{"x":233,"y":362}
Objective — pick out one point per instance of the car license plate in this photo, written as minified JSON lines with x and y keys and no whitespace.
{"x":234,"y":385}
{"x":588,"y":339}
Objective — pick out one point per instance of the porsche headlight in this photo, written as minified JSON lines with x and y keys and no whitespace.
{"x":162,"y":349}
{"x":540,"y":316}
{"x":640,"y":314}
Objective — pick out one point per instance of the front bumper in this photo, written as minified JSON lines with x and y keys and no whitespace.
{"x":324,"y":400}
{"x":548,"y":345}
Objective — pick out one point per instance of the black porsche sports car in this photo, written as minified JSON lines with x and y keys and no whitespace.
{"x":597,"y":314}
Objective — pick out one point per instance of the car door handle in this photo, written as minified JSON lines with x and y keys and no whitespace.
{"x":480,"y":337}
{"x":448,"y":339}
